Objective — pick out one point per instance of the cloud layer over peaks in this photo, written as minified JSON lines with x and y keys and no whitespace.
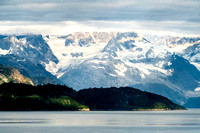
{"x":155,"y":12}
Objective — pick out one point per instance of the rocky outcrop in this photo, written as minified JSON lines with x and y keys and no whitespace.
{"x":9,"y":74}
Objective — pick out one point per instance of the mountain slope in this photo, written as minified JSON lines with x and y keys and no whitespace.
{"x":29,"y":54}
{"x":9,"y":74}
{"x":35,"y":72}
{"x":31,"y":47}
{"x":193,"y":102}
{"x":73,"y":49}
{"x":192,"y":54}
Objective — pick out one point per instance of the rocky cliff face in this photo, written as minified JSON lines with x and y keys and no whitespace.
{"x":9,"y":74}
{"x":36,"y":72}
{"x":31,"y":47}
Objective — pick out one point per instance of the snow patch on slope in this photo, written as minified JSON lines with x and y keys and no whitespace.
{"x":52,"y":67}
{"x":197,"y":89}
{"x":197,"y":65}
{"x":4,"y":52}
{"x":120,"y":69}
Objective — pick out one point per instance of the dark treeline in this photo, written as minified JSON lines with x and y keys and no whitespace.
{"x":59,"y":97}
{"x":14,"y":96}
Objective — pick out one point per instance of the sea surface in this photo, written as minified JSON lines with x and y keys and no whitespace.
{"x":183,"y":121}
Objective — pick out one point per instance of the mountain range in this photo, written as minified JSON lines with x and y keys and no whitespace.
{"x":165,"y":65}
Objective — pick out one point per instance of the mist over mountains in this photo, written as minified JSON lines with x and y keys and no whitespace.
{"x":164,"y":65}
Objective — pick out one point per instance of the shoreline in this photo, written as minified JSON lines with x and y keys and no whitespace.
{"x":89,"y":110}
{"x":157,"y":109}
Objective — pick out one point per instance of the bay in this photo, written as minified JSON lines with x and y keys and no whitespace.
{"x":183,"y":121}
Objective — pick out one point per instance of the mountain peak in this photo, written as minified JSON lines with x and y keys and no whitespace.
{"x":83,"y":39}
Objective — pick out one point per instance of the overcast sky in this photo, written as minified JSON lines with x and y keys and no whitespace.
{"x":65,"y":16}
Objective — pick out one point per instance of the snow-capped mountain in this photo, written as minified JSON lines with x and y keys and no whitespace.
{"x":86,"y":39}
{"x":32,"y":47}
{"x":131,"y":60}
{"x":72,"y":50}
{"x":28,"y":54}
{"x":186,"y":47}
{"x":161,"y":64}
{"x":192,"y":53}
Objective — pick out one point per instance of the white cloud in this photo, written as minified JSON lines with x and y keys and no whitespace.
{"x":66,"y":27}
{"x":66,"y":16}
{"x":38,"y":6}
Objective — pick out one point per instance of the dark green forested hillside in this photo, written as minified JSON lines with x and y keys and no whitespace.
{"x":125,"y":98}
{"x":43,"y":97}
{"x":15,"y":96}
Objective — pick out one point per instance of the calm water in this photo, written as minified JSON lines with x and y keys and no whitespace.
{"x":100,"y":122}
